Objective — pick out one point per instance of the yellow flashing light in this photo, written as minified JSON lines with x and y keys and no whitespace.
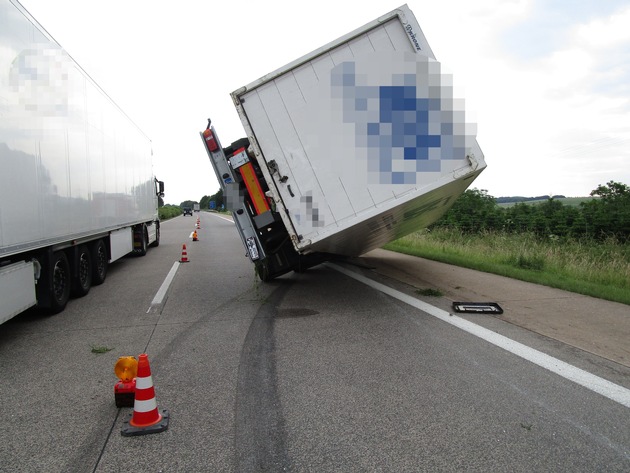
{"x":126,"y":368}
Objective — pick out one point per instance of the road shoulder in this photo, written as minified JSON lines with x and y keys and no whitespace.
{"x":593,"y":325}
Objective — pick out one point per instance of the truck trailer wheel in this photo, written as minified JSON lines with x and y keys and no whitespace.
{"x":83,"y":279}
{"x":262,"y":269}
{"x":99,"y":262}
{"x":60,"y":282}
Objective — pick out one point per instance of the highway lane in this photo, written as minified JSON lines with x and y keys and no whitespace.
{"x":311,"y":372}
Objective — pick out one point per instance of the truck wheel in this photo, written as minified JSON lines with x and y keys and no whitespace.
{"x":83,"y":280}
{"x":157,"y":236}
{"x":60,"y":282}
{"x":99,"y":262}
{"x":262,"y":269}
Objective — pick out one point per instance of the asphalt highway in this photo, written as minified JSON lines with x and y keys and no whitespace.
{"x":342,"y":368}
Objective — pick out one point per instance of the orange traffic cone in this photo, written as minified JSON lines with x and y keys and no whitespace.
{"x":195,"y":236}
{"x":146,"y":419}
{"x":184,"y":258}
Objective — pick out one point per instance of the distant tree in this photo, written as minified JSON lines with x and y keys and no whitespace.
{"x":613,"y":192}
{"x":610,"y":214}
{"x":473,"y":211}
{"x":217,"y":198}
{"x":605,"y":216}
{"x":203,"y":202}
{"x":519,"y":218}
{"x":556,"y":219}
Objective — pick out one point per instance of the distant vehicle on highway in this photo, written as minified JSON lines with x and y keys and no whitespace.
{"x":187,"y":211}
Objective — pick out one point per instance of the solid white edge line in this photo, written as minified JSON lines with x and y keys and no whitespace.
{"x":222,"y":217}
{"x":159,"y":296}
{"x":590,"y":381}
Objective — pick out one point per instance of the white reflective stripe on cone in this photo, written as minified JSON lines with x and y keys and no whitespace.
{"x":144,"y":383}
{"x":144,"y":406}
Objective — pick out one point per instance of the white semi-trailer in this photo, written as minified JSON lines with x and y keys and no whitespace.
{"x":354,"y":145}
{"x":77,"y":189}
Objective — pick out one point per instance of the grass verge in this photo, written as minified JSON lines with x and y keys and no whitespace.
{"x":599,"y":270}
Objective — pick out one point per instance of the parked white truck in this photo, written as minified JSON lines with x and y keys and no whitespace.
{"x":354,"y":145}
{"x":77,"y":189}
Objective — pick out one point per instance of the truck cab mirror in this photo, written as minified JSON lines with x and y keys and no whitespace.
{"x":160,"y":188}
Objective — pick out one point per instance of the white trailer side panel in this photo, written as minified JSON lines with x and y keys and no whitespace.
{"x":72,"y":163}
{"x":366,"y":130}
{"x":17,"y":291}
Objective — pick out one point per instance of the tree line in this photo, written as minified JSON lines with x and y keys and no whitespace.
{"x":216,"y":198}
{"x":606,"y":216}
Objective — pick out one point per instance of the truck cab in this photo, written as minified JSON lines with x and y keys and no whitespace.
{"x":266,"y":240}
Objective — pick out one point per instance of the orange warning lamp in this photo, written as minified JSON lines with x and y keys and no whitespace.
{"x":126,"y":369}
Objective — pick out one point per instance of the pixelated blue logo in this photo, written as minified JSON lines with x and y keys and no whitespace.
{"x":405,"y":116}
{"x":39,"y":75}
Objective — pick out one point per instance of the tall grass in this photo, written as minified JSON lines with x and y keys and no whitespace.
{"x":596,"y":269}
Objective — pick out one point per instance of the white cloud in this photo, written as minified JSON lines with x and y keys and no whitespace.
{"x":564,"y":113}
{"x":611,"y":31}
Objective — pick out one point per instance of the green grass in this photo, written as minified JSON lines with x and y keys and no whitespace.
{"x":600,"y":270}
{"x":98,"y":350}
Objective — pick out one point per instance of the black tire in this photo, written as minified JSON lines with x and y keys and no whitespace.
{"x":156,"y":243}
{"x":262,"y":269}
{"x":83,"y":279}
{"x":60,"y":282}
{"x":100,"y":260}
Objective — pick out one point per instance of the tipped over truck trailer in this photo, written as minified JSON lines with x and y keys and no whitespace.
{"x":347,"y":148}
{"x":77,"y":189}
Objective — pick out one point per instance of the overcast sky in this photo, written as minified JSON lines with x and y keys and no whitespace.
{"x":546,"y":81}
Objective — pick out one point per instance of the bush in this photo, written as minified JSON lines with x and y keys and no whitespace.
{"x":169,"y":211}
{"x":476,"y":212}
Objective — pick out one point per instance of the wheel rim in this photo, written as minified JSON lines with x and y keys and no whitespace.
{"x":60,"y":281}
{"x":101,"y":259}
{"x":84,"y":269}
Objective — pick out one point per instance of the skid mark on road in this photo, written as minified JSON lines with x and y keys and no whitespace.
{"x":260,"y":436}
